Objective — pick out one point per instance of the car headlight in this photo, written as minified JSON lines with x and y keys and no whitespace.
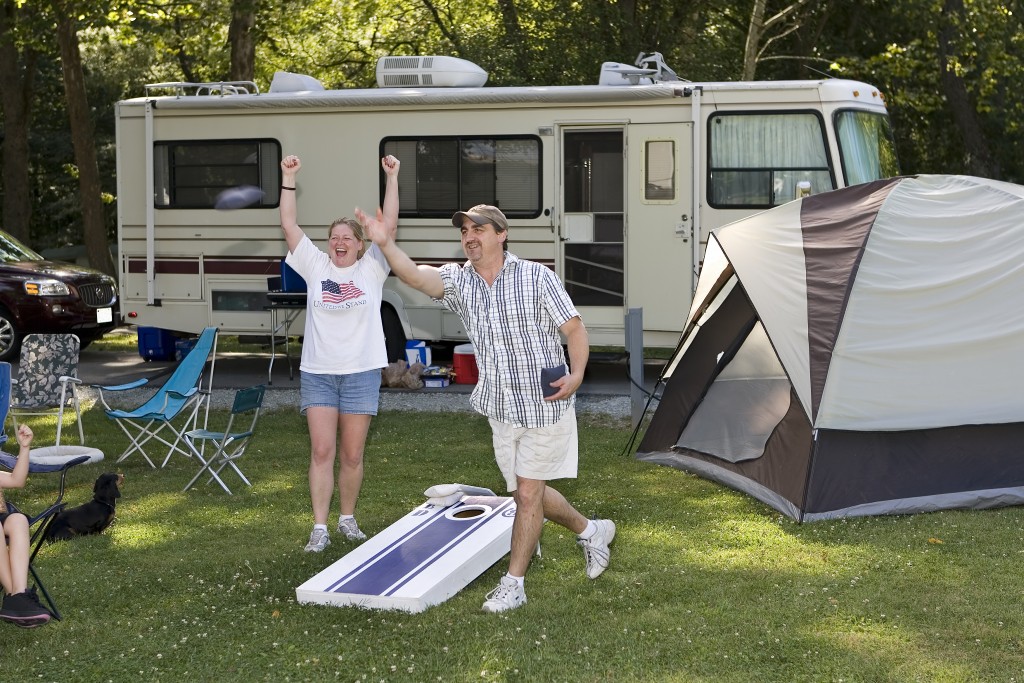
{"x":46,"y":288}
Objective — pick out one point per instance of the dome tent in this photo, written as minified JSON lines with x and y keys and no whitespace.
{"x":857,"y":352}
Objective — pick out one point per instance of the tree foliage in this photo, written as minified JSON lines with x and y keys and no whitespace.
{"x":950,"y":69}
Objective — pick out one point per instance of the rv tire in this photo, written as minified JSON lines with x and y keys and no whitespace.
{"x":394,"y":333}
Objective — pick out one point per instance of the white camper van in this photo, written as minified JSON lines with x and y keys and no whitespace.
{"x":615,"y":186}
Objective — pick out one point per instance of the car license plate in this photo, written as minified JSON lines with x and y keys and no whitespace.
{"x":104,"y":315}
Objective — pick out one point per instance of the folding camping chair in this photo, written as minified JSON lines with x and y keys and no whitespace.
{"x":47,"y":379}
{"x":175,"y":406}
{"x":228,"y":445}
{"x":39,"y":523}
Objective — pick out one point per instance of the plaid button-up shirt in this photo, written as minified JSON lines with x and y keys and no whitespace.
{"x":513,"y":325}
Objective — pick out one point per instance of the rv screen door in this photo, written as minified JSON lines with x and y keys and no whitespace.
{"x":593,"y":223}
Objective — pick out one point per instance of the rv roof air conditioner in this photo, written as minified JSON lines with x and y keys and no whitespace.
{"x":428,"y":72}
{"x":648,"y":69}
{"x":285,"y":81}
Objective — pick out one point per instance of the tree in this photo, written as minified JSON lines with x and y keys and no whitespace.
{"x":240,"y":38}
{"x":94,"y":227}
{"x":17,"y":71}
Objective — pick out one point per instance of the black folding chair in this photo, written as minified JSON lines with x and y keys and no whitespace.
{"x":39,"y":523}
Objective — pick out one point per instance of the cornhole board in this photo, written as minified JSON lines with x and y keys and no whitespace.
{"x":421,"y":560}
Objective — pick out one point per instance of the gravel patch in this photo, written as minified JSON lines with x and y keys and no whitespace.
{"x":390,"y":400}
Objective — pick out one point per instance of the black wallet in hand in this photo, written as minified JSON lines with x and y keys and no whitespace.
{"x":549,"y":375}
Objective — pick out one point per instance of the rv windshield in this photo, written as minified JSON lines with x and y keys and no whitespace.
{"x":866,"y":147}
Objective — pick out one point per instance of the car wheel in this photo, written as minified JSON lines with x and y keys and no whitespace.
{"x":394,"y":334}
{"x":10,"y":340}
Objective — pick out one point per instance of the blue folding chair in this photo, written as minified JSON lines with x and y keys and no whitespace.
{"x":174,"y":407}
{"x":39,"y":523}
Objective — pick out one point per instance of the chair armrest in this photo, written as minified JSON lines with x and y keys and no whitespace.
{"x":178,"y":394}
{"x":8,"y":461}
{"x":67,"y":379}
{"x":122,"y":387}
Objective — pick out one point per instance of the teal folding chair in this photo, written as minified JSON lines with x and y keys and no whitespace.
{"x":228,"y":446}
{"x":175,"y":406}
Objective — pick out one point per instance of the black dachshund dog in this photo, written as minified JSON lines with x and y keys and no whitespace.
{"x":92,"y":517}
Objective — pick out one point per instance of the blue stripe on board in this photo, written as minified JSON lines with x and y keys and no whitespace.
{"x":495,"y":513}
{"x":410,"y":556}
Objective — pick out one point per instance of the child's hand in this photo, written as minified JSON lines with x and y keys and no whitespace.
{"x":25,"y":436}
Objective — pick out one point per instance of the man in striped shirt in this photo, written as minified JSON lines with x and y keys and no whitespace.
{"x":515,"y":313}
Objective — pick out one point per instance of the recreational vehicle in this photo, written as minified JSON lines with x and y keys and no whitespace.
{"x":614,"y":186}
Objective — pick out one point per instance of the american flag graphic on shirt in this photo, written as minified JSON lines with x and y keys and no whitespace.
{"x":334,"y":293}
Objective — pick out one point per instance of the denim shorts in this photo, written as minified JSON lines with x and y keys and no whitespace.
{"x":355,"y":394}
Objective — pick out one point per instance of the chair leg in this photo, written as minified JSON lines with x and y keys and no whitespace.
{"x":51,"y":606}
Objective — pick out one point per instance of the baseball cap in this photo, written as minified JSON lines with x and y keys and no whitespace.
{"x":482,"y":214}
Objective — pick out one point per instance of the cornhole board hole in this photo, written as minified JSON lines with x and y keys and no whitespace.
{"x":422,"y":559}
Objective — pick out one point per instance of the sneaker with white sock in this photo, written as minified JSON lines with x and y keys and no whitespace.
{"x":350,"y":530}
{"x":595,"y":549}
{"x":318,"y":540}
{"x":508,"y":595}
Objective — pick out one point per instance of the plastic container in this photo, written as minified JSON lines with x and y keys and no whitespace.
{"x":464,"y":364}
{"x":156,"y":343}
{"x":182,"y":347}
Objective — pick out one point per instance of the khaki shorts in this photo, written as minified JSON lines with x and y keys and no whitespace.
{"x":542,"y":453}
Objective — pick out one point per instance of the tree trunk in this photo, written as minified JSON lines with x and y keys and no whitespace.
{"x":84,"y":143}
{"x":514,"y":38}
{"x":243,"y":47}
{"x":16,"y":79}
{"x":754,"y":33}
{"x":980,"y":161}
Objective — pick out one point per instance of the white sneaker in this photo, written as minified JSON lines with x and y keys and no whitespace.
{"x":350,"y":530}
{"x":318,"y":540}
{"x":595,"y":548}
{"x":508,"y":595}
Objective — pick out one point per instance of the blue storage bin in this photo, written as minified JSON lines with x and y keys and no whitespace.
{"x":156,"y":343}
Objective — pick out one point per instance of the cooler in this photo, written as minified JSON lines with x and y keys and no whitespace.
{"x":156,"y":343}
{"x":464,"y":364}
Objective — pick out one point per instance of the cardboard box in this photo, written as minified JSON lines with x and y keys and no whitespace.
{"x":432,"y":382}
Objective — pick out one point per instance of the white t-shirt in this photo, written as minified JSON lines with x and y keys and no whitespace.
{"x":343,"y":332}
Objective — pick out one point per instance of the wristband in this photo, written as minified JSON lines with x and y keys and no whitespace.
{"x":285,"y":187}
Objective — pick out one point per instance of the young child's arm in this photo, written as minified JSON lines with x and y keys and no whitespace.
{"x":15,"y":479}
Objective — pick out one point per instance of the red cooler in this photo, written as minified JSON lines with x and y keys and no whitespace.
{"x":464,"y":364}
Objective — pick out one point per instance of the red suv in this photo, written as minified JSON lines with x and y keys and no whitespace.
{"x":50,"y":297}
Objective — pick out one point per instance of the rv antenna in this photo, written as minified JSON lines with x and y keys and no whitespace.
{"x":811,"y":68}
{"x":656,"y":62}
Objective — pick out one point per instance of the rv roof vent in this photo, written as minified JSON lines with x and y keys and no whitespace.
{"x":285,"y":81}
{"x":429,"y":72}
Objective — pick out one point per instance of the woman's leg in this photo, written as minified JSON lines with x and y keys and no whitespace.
{"x":14,"y":554}
{"x":354,"y":429}
{"x":323,"y":432}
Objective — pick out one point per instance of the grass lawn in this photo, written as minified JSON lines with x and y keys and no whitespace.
{"x":705,"y":584}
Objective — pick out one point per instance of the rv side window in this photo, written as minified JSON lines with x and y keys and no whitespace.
{"x":442,"y":175}
{"x":758,"y":160}
{"x":190,"y":174}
